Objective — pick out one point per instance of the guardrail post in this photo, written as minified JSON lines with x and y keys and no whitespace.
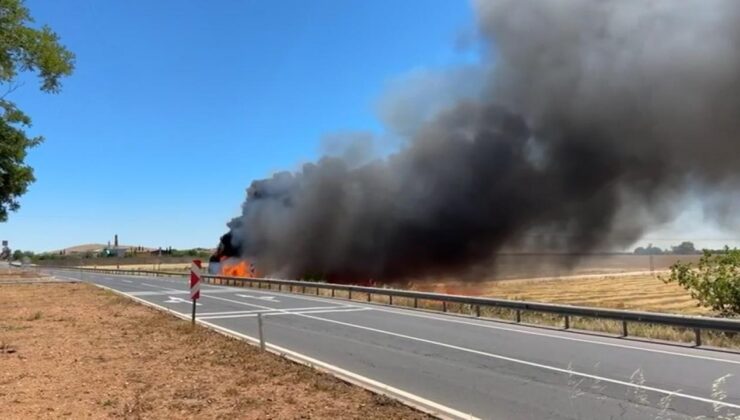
{"x":332,"y":292}
{"x":416,"y":303}
{"x":625,"y":333}
{"x":369,"y":296}
{"x":350,"y":294}
{"x":390,"y":300}
{"x":444,"y":306}
{"x":304,"y":290}
{"x":477,"y":311}
{"x":518,"y":316}
{"x":697,"y":334}
{"x":567,"y":321}
{"x":317,"y":290}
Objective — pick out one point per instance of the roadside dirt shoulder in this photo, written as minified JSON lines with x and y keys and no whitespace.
{"x":78,"y":351}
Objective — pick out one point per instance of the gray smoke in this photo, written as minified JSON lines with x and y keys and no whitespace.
{"x":592,"y":118}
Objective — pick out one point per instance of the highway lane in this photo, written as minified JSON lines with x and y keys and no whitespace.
{"x":484,"y":368}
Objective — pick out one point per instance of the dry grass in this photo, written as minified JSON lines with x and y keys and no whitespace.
{"x":72,"y":350}
{"x":631,"y":292}
{"x":642,"y":292}
{"x":619,"y":291}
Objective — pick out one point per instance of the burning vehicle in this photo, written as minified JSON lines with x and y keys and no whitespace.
{"x":227,"y":261}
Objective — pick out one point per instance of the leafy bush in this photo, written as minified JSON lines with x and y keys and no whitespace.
{"x":714,"y":282}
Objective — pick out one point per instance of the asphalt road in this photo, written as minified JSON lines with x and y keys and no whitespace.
{"x":482,"y":368}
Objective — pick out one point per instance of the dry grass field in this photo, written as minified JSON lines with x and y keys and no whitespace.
{"x":638,"y":292}
{"x":611,"y":281}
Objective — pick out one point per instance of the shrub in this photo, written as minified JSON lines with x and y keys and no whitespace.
{"x":714,"y":282}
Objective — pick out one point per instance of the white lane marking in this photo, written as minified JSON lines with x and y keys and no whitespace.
{"x":328,"y":311}
{"x":239,"y":302}
{"x":231,"y":312}
{"x":178,"y":292}
{"x":519,"y":361}
{"x":484,"y":324}
{"x":173,"y":299}
{"x":408,"y":398}
{"x":501,"y":357}
{"x":490,"y":324}
{"x":296,"y":311}
{"x":126,"y":281}
{"x":270,"y":298}
{"x":247,"y":315}
{"x":152,"y":293}
{"x":514,"y":360}
{"x":286,"y":310}
{"x":241,"y":314}
{"x":160,"y":287}
{"x":531,"y":364}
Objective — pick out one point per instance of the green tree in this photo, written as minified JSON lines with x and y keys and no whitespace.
{"x":23,"y":48}
{"x":714,"y":282}
{"x":684,"y":248}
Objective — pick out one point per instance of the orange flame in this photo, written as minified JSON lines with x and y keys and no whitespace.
{"x":237,"y":268}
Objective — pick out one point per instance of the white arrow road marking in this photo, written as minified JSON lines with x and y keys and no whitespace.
{"x":174,"y":299}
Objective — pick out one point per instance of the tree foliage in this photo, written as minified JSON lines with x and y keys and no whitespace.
{"x":23,"y":48}
{"x":649,"y":250}
{"x":714,"y":282}
{"x":684,"y":248}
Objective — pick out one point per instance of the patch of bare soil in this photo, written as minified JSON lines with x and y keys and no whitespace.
{"x":15,"y":276}
{"x":72,"y":350}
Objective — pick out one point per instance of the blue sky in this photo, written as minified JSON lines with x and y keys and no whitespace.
{"x":176,"y":106}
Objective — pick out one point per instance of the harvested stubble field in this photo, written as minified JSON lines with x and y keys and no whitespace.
{"x":643,"y":292}
{"x":610,"y":281}
{"x":73,"y":350}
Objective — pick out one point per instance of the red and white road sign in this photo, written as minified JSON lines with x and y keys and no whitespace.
{"x":195,"y":280}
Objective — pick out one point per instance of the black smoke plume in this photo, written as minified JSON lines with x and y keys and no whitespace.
{"x":592,"y":118}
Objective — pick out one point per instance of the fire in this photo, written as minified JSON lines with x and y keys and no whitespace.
{"x":237,"y":268}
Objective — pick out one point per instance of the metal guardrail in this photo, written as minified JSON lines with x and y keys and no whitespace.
{"x":696,"y":323}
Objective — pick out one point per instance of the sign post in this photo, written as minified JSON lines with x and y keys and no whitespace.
{"x":195,"y":284}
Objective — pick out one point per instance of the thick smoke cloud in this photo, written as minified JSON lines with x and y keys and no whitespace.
{"x":592,"y":117}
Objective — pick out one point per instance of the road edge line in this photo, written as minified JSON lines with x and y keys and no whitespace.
{"x":376,"y":387}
